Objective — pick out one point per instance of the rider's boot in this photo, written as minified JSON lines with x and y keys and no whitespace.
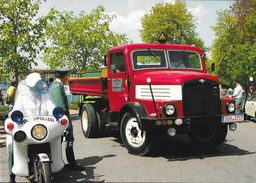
{"x":12,"y":178}
{"x":71,"y":160}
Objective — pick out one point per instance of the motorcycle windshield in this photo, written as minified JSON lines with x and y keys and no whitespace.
{"x":33,"y":101}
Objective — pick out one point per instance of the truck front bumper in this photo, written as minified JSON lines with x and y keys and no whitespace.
{"x":183,"y":124}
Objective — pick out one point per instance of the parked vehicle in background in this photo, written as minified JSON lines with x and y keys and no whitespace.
{"x":250,"y":107}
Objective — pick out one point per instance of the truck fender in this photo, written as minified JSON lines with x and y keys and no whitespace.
{"x":136,"y":109}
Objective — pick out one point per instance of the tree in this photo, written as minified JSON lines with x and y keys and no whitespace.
{"x":79,"y":41}
{"x":21,"y":35}
{"x":234,"y":49}
{"x":173,"y":19}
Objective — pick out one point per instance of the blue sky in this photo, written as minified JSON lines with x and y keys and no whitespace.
{"x":129,"y":13}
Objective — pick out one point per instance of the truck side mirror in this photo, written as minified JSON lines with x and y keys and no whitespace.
{"x":213,"y":67}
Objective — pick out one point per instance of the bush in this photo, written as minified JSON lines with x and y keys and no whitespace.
{"x":73,"y":106}
{"x":3,"y":111}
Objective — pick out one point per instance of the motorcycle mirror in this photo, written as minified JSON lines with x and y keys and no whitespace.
{"x":58,"y":112}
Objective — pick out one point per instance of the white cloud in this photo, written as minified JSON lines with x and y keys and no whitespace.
{"x":198,"y":12}
{"x":143,"y":4}
{"x":169,"y":1}
{"x":130,"y":24}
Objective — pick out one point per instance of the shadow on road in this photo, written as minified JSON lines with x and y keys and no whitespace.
{"x":182,"y":149}
{"x":88,"y":175}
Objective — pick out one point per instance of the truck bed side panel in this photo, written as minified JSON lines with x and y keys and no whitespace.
{"x":87,"y":86}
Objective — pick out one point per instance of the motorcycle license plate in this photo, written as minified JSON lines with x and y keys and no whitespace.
{"x":232,"y":118}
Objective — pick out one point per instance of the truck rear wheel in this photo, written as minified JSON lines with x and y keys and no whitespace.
{"x":208,"y":135}
{"x":89,"y":121}
{"x":135,"y":140}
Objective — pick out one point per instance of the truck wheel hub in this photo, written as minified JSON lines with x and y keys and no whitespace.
{"x":85,"y":121}
{"x":133,"y":133}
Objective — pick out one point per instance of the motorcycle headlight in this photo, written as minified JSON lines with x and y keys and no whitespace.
{"x":39,"y":132}
{"x":17,"y":116}
{"x":231,"y":107}
{"x":58,"y":112}
{"x":169,"y":109}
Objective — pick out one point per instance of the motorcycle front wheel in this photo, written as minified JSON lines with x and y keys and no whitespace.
{"x":43,"y":171}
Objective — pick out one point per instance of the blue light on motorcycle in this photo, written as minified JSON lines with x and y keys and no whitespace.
{"x":58,"y":113}
{"x":17,"y":116}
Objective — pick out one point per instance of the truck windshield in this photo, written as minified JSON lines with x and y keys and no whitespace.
{"x":185,"y":60}
{"x":148,"y":59}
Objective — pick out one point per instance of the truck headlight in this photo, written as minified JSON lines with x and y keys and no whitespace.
{"x":169,"y":109}
{"x":39,"y":132}
{"x":231,"y":107}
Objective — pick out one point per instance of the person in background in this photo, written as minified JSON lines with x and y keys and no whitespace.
{"x":238,"y":95}
{"x":11,"y":94}
{"x":1,"y":97}
{"x":60,"y":99}
{"x":50,"y":81}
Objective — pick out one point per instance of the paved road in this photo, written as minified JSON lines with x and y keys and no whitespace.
{"x":176,"y":160}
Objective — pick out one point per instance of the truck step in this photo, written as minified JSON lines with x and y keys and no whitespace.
{"x":112,"y":125}
{"x":253,"y":119}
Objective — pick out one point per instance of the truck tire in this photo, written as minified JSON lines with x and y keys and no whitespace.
{"x":132,"y":139}
{"x":208,"y":135}
{"x":89,"y":121}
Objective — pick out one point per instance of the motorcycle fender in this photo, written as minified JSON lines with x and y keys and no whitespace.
{"x":56,"y":155}
{"x":20,"y":159}
{"x":43,"y":157}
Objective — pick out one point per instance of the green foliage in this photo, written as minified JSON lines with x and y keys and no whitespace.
{"x":174,"y":20}
{"x":73,"y":106}
{"x":234,"y":50}
{"x":3,"y":111}
{"x":79,"y":41}
{"x":21,"y":35}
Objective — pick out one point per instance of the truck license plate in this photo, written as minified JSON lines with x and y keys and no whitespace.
{"x":232,"y":118}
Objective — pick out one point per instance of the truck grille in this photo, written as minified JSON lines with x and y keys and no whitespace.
{"x":161,"y":92}
{"x":201,"y":97}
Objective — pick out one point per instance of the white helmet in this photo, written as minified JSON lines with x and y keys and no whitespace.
{"x":32,"y":79}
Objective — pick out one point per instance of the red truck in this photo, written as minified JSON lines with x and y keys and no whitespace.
{"x":155,"y":89}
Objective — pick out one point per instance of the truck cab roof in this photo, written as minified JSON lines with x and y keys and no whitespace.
{"x":136,"y":46}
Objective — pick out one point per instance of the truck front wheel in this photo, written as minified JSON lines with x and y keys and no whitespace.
{"x":89,"y":121}
{"x":137,"y":141}
{"x":208,"y":135}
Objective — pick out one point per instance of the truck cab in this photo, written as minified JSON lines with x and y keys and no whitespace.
{"x":156,"y":89}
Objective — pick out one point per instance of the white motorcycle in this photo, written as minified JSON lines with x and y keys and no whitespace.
{"x":35,"y":128}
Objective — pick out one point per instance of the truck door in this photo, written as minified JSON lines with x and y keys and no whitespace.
{"x":117,"y":83}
